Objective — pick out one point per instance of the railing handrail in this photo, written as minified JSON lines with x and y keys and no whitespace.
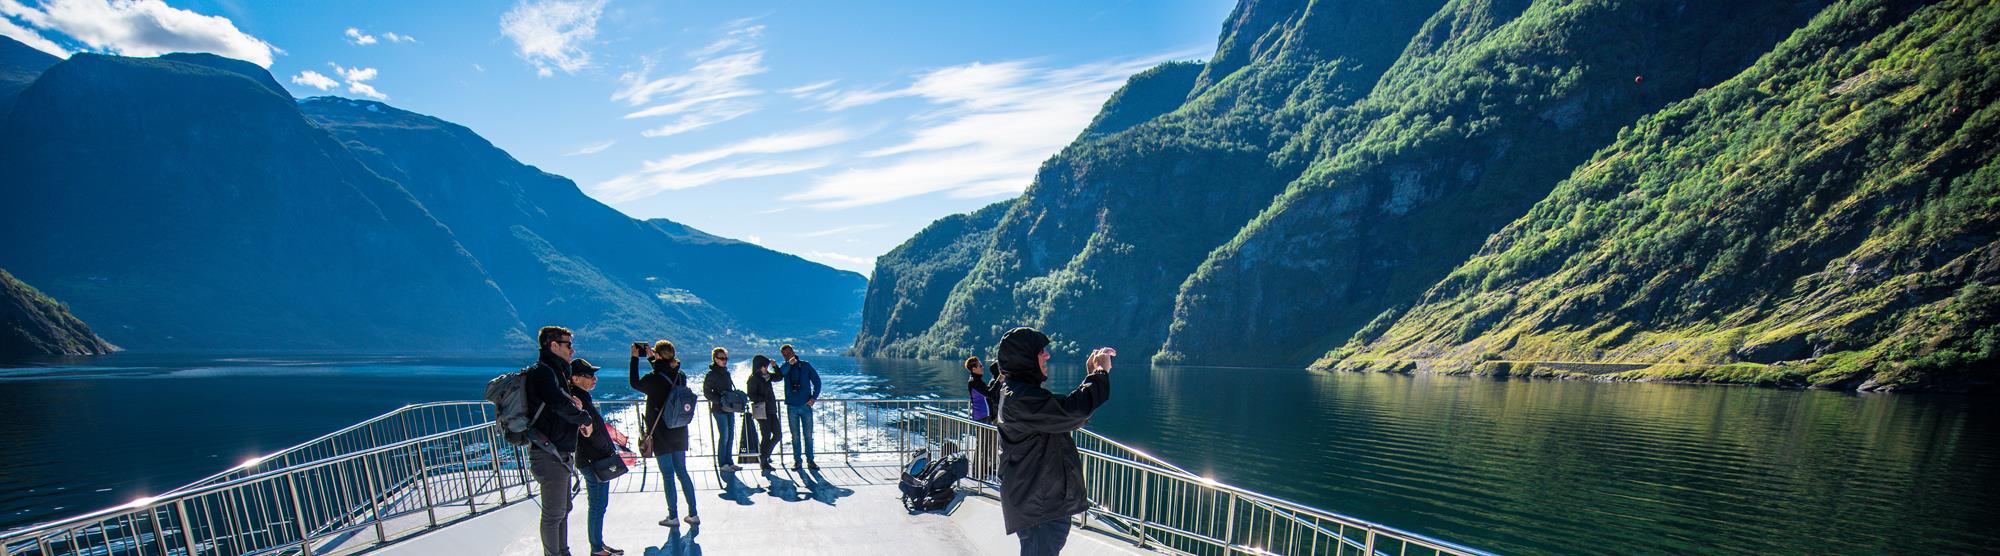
{"x":1239,"y":492}
{"x":321,"y":438}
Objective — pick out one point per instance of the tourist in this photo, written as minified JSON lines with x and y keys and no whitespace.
{"x":1039,"y":465}
{"x":670,"y":444}
{"x":801,"y":391}
{"x":985,"y":394}
{"x":763,"y":410}
{"x":601,"y":443}
{"x":714,"y":386}
{"x":558,"y":420}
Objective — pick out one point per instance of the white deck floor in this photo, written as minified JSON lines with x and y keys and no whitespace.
{"x":841,"y":510}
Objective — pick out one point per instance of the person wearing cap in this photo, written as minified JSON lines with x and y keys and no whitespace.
{"x":600,"y":444}
{"x":1040,"y":469}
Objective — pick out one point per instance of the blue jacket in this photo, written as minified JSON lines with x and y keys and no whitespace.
{"x":801,"y":382}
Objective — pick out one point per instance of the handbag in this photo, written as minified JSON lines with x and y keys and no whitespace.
{"x":734,"y":401}
{"x":607,"y":468}
{"x":646,"y":441}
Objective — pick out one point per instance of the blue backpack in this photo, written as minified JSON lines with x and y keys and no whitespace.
{"x":679,"y":410}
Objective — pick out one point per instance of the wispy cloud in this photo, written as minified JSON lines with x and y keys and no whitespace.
{"x":842,"y":260}
{"x":362,"y":38}
{"x":134,"y":28}
{"x":315,"y":80}
{"x":694,"y":169}
{"x":28,"y":36}
{"x":985,"y":129}
{"x":713,"y":91}
{"x":551,"y":33}
{"x":844,"y":230}
{"x":592,"y":148}
{"x":357,"y":81}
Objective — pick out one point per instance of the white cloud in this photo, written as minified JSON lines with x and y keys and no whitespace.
{"x":711,"y":92}
{"x":803,"y":91}
{"x":29,"y":37}
{"x":393,"y":37}
{"x":754,"y":240}
{"x":843,"y":260}
{"x":985,"y":129}
{"x":357,"y":37}
{"x":844,"y":230}
{"x":592,"y":148}
{"x":685,"y":170}
{"x":140,"y":28}
{"x":357,"y":81}
{"x":551,"y":33}
{"x":315,"y":80}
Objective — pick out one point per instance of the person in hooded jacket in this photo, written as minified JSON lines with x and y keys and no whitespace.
{"x":763,"y":410}
{"x":1041,"y":474}
{"x":670,"y":444}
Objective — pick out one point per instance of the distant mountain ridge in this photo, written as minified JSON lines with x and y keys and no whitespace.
{"x":32,"y":324}
{"x":1338,"y":183}
{"x":223,"y":215}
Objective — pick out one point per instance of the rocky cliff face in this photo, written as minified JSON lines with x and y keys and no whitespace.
{"x":32,"y":324}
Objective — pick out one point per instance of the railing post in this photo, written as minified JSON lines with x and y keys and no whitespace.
{"x":298,"y":515}
{"x":424,"y":478}
{"x":1145,"y":489}
{"x":493,"y":455}
{"x":374,"y":498}
{"x":1229,"y":532}
{"x":159,"y":534}
{"x":465,"y":474}
{"x":1370,"y":550}
{"x":187,"y":528}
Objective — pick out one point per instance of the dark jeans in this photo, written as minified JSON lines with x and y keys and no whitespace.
{"x":725,"y":444}
{"x":767,"y":434}
{"x":1046,"y":537}
{"x":674,"y":466}
{"x":801,"y":417}
{"x":597,"y":497}
{"x":552,"y":477}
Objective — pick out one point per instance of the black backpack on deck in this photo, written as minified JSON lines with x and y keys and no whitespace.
{"x":931,"y":485}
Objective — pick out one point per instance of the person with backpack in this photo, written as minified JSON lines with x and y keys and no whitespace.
{"x":763,"y":410}
{"x":558,"y":420}
{"x":601,"y":443}
{"x":1040,"y":470}
{"x":801,"y":392}
{"x":715,"y":386}
{"x":668,"y":444}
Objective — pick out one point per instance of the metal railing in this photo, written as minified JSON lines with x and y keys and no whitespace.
{"x":1137,"y":497}
{"x":401,"y":476}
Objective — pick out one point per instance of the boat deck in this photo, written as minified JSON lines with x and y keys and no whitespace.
{"x":838,"y":510}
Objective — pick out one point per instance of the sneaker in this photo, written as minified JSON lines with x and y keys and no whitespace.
{"x":605,"y":552}
{"x":694,"y":520}
{"x":767,"y":468}
{"x":613,"y":550}
{"x":813,"y":466}
{"x":732,"y":468}
{"x":671,"y":521}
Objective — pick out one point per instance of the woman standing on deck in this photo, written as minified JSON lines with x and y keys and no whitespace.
{"x":763,"y":410}
{"x":669,"y":444}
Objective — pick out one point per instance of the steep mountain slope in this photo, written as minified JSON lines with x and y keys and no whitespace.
{"x":1837,"y":203}
{"x":19,"y":65}
{"x":563,"y":257}
{"x":181,"y":204}
{"x":1492,"y":103}
{"x":1115,"y":222}
{"x":33,"y":324}
{"x":912,"y":281}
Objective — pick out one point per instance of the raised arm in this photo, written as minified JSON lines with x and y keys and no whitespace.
{"x":1061,"y":414}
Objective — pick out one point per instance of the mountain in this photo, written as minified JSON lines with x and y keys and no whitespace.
{"x":187,"y":202}
{"x":1830,"y":217}
{"x":19,"y":65}
{"x":563,"y":257}
{"x":910,"y":283}
{"x":32,"y":324}
{"x":1343,"y":179}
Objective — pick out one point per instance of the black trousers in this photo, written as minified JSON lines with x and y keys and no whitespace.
{"x":552,"y":476}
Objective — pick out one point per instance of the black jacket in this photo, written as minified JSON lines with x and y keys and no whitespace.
{"x":1041,"y":475}
{"x":714,"y":385}
{"x":657,"y":385}
{"x":991,"y":390}
{"x":759,"y":388}
{"x":598,"y":445}
{"x":548,"y":391}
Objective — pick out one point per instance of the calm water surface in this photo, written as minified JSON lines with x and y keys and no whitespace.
{"x":1519,"y":467}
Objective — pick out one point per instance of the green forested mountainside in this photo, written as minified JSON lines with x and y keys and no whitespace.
{"x":1453,"y":201}
{"x":32,"y":324}
{"x":1115,"y":222}
{"x":911,"y":281}
{"x":1832,"y":210}
{"x":1492,"y":103}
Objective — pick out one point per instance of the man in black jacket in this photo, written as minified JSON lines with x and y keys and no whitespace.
{"x":559,"y":420}
{"x":1041,"y":475}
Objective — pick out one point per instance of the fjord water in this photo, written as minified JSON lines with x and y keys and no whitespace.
{"x":1514,"y":466}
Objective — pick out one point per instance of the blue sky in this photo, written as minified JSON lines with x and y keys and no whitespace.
{"x":831,"y":130}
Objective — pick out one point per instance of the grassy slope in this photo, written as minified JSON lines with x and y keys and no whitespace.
{"x":1833,"y":208}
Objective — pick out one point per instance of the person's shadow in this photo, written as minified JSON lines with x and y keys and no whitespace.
{"x":678,"y":544}
{"x":735,"y":490}
{"x":823,"y":491}
{"x":781,"y":488}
